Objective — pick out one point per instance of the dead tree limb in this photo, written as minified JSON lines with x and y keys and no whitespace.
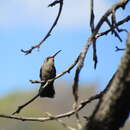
{"x":114,"y":106}
{"x":19,"y":108}
{"x":60,"y":2}
{"x":81,"y":105}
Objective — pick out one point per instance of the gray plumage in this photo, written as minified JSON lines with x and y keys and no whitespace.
{"x":48,"y":71}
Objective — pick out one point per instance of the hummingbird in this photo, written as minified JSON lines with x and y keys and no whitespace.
{"x":48,"y":71}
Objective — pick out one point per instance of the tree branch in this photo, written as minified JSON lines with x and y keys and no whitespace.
{"x":25,"y":104}
{"x":46,"y":83}
{"x":92,"y":26}
{"x":113,"y":115}
{"x":59,"y":75}
{"x":119,"y":49}
{"x":93,"y":37}
{"x":82,"y":104}
{"x":60,"y":2}
{"x":113,"y":30}
{"x":118,"y":5}
{"x":116,"y":25}
{"x":79,"y":61}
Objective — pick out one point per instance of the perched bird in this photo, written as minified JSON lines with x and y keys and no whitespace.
{"x":48,"y":71}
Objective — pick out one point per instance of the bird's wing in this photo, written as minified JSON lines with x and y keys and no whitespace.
{"x":40,"y":75}
{"x":54,"y":71}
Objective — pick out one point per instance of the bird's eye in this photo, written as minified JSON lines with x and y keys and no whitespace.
{"x":47,"y":58}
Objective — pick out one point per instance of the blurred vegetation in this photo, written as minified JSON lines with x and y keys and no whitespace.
{"x":62,"y":103}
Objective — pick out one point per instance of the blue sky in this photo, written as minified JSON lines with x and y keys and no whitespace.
{"x":24,"y":23}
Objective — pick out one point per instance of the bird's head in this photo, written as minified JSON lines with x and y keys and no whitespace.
{"x":50,"y":59}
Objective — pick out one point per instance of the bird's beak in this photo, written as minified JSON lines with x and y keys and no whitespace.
{"x":56,"y":53}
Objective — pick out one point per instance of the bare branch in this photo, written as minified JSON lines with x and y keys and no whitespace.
{"x":116,"y":97}
{"x":119,"y":49}
{"x":95,"y":58}
{"x":60,"y":2}
{"x":67,"y":114}
{"x":76,"y":81}
{"x":79,"y":61}
{"x":94,"y":35}
{"x":54,"y":3}
{"x":92,"y":18}
{"x":25,"y":104}
{"x":75,"y":85}
{"x":75,"y":93}
{"x":113,"y":17}
{"x":59,"y":75}
{"x":60,"y":121}
{"x":114,"y":31}
{"x":117,"y":24}
{"x":47,"y":82}
{"x":80,"y":65}
{"x":65,"y":125}
{"x":118,"y":5}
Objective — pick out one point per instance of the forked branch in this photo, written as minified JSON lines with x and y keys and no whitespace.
{"x":60,"y":2}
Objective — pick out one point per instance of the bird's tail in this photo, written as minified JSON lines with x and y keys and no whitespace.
{"x":47,"y":91}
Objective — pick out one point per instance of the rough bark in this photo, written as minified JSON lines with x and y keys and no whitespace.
{"x":113,"y":108}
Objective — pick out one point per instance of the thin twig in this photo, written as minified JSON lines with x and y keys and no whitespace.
{"x":113,"y":31}
{"x":54,"y":3}
{"x":47,"y":82}
{"x":95,"y":58}
{"x":116,"y":25}
{"x":80,"y":65}
{"x":113,"y":17}
{"x":114,"y":106}
{"x":60,"y":2}
{"x":75,"y":87}
{"x":82,"y":56}
{"x":65,"y":125}
{"x":60,"y":121}
{"x":59,"y":75}
{"x":67,"y":114}
{"x":80,"y":61}
{"x":92,"y":16}
{"x":92,"y":26}
{"x":79,"y":125}
{"x":119,"y":49}
{"x":116,"y":6}
{"x":25,"y":104}
{"x":93,"y":37}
